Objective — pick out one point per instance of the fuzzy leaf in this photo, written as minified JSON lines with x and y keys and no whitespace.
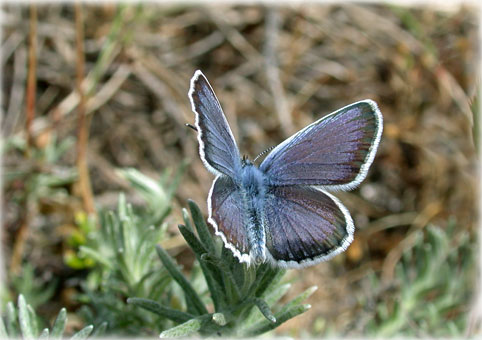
{"x":271,"y":277}
{"x":201,"y":227}
{"x":264,"y":309}
{"x":33,"y":319}
{"x":193,"y":242}
{"x":265,"y":326}
{"x":3,"y":330}
{"x":301,"y":297}
{"x":12,"y":326}
{"x":219,"y":319}
{"x":183,"y":329}
{"x":83,"y":333}
{"x":191,"y":296}
{"x":44,"y":334}
{"x":187,"y":220}
{"x":100,"y":330}
{"x":59,"y":324}
{"x":155,"y":307}
{"x":231,"y":288}
{"x":24,"y":319}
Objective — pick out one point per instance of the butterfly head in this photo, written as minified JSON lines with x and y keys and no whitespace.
{"x":245,"y":161}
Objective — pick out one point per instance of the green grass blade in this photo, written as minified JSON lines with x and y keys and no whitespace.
{"x":191,"y":296}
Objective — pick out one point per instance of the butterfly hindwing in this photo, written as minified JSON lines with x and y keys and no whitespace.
{"x":305,"y":226}
{"x":334,"y":152}
{"x":217,"y":146}
{"x":228,"y":217}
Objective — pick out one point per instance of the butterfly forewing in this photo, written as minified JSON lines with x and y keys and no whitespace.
{"x":305,"y":226}
{"x":334,"y":152}
{"x":228,"y":216}
{"x":217,"y":147}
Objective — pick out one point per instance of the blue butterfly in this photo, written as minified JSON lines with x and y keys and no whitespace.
{"x":281,"y":211}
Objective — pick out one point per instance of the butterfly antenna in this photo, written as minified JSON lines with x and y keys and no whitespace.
{"x":192,"y":127}
{"x":264,"y":152}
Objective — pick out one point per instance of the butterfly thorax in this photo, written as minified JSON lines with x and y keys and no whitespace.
{"x":252,"y":184}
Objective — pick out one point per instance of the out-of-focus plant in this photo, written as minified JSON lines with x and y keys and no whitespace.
{"x":244,"y":299}
{"x":35,"y":291}
{"x":40,"y":177}
{"x":121,"y":254}
{"x":23,"y":322}
{"x":435,"y":281}
{"x":29,"y":184}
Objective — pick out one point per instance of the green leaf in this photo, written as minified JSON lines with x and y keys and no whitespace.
{"x":232,"y":290}
{"x":101,"y":258}
{"x":301,"y":297}
{"x":213,"y":279}
{"x":201,"y":227}
{"x":271,"y":277}
{"x":83,"y":333}
{"x":219,"y":319}
{"x":192,"y":298}
{"x":100,"y":330}
{"x":275,"y":294}
{"x":193,"y":242}
{"x":3,"y":330}
{"x":183,"y":329}
{"x":59,"y":324}
{"x":264,"y":309}
{"x":281,"y":317}
{"x":33,"y":319}
{"x":44,"y":334}
{"x":187,"y":220}
{"x":24,"y":319}
{"x":12,"y":326}
{"x":155,"y":307}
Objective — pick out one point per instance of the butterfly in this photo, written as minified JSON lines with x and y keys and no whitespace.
{"x":281,"y":211}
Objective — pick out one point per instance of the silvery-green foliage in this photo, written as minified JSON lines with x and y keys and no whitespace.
{"x":123,"y":248}
{"x":435,"y":280}
{"x":23,"y":322}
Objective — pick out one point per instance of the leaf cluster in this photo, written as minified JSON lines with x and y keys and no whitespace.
{"x":242,"y":300}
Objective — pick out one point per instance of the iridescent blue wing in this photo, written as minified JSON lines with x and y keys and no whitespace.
{"x":334,"y":152}
{"x":228,"y":217}
{"x":217,"y":146}
{"x":304,"y":226}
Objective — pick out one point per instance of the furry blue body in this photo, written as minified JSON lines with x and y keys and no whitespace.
{"x":253,"y":188}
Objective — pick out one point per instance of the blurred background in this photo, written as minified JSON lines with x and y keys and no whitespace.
{"x":412,"y":266}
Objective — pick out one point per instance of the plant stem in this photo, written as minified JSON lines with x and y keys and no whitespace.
{"x":83,"y":119}
{"x":32,"y":72}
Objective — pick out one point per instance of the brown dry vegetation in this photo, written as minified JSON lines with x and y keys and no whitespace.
{"x":275,"y":70}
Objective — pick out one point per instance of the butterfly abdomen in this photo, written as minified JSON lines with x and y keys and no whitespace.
{"x":254,"y":191}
